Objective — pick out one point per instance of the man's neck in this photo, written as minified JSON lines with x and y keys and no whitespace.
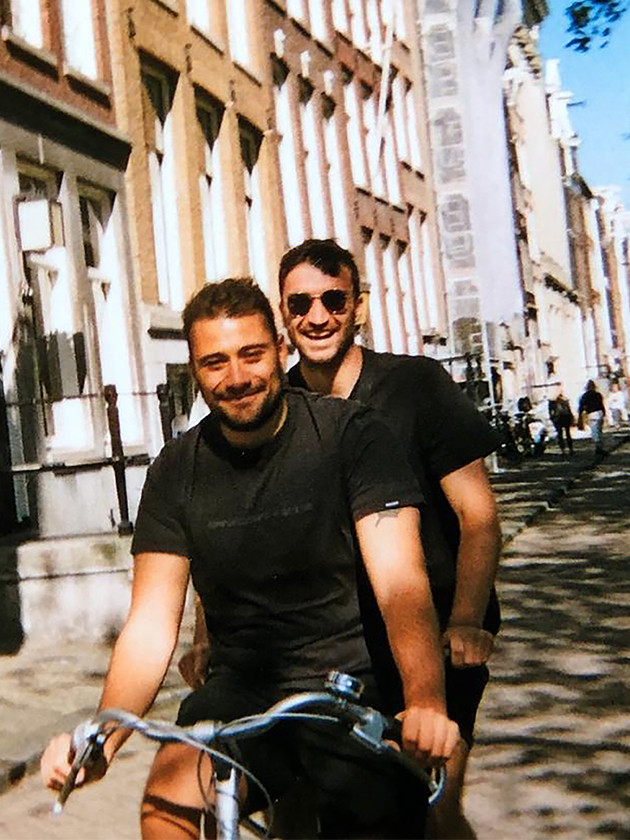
{"x":252,"y":438}
{"x":337,"y":379}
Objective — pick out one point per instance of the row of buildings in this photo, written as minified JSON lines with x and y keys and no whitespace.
{"x":149,"y":146}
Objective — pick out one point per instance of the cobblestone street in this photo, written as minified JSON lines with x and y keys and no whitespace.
{"x":553,"y":754}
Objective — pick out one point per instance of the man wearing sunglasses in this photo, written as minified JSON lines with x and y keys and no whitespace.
{"x":445,"y":440}
{"x":262,"y":504}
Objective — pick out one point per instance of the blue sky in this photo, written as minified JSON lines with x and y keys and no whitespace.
{"x":601,"y":78}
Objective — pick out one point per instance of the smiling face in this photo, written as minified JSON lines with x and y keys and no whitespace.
{"x":236,"y":363}
{"x":321,"y":337}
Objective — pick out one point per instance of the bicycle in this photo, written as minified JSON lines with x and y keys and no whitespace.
{"x":338,"y":703}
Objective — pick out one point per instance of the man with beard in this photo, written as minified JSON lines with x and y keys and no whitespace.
{"x":261,"y":503}
{"x":445,"y":440}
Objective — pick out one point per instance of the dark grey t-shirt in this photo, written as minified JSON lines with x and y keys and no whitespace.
{"x":269,"y":533}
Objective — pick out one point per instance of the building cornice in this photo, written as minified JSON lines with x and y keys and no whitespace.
{"x":28,"y":108}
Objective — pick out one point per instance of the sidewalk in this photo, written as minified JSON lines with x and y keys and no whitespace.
{"x":527,"y":491}
{"x":50,"y":686}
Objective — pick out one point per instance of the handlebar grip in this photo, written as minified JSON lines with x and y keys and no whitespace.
{"x":86,"y":751}
{"x":435,"y":779}
{"x":67,"y":788}
{"x":393,"y":730}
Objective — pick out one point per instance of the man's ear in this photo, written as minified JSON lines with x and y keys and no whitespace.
{"x":362,"y":310}
{"x":283,"y":353}
{"x":286,"y":320}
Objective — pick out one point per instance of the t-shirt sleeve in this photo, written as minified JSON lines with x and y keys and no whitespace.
{"x":454,"y":433}
{"x":160,"y":523}
{"x":378,"y":476}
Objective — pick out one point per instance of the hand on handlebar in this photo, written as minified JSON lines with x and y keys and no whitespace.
{"x":56,"y":764}
{"x":428,"y":735}
{"x":468,"y":645}
{"x":193,"y":666}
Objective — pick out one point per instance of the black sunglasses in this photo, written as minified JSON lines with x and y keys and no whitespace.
{"x":334,"y":300}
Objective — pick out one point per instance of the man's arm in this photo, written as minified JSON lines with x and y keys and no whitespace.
{"x":193,"y":665}
{"x":470,"y":495}
{"x":392,"y":553}
{"x":140,"y":656}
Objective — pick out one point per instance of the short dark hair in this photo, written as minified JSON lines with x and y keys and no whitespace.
{"x":325,"y":254}
{"x":234,"y":297}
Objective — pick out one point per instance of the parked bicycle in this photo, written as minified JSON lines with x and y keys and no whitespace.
{"x":338,"y":703}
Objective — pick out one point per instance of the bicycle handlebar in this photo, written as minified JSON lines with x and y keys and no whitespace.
{"x":367,"y":725}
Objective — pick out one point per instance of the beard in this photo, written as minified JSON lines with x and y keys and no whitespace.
{"x":264,"y":413}
{"x":345,"y":340}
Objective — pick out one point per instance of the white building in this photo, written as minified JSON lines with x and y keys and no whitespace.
{"x":465,"y":47}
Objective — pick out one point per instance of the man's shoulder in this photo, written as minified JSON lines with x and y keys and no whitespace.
{"x":176,"y":449}
{"x":413,"y":365}
{"x":420,"y":378}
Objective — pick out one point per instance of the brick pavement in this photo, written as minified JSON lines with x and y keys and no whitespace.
{"x":44,"y":688}
{"x":553,"y":753}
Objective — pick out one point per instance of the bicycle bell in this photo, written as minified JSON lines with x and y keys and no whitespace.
{"x":343,"y":685}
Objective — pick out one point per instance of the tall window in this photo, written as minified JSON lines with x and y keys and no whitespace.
{"x":297,"y":9}
{"x":335,"y":175}
{"x":359,"y":28}
{"x":209,"y":117}
{"x":422,"y":271}
{"x":199,"y":14}
{"x":397,"y":331}
{"x":412,"y":123}
{"x":355,"y":133}
{"x":372,"y":142}
{"x":287,"y":154}
{"x":59,"y":346}
{"x":377,"y":316}
{"x":400,"y":116}
{"x":317,"y":14}
{"x":400,"y":26}
{"x":103,"y":262}
{"x":78,"y":36}
{"x":410,"y":314}
{"x":251,"y":140}
{"x":340,"y":15}
{"x":26,"y":21}
{"x":158,"y":90}
{"x":391,"y":162}
{"x":394,"y":8}
{"x":314,"y":184}
{"x":376,"y":36}
{"x":94,"y":212}
{"x":238,"y":27}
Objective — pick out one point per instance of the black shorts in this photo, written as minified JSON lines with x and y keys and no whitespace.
{"x":355,"y":792}
{"x":464,"y":690}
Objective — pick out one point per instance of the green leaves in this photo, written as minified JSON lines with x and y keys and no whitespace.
{"x":592,"y":21}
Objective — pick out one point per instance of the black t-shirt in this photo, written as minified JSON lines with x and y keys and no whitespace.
{"x":440,"y":431}
{"x":591,"y":401}
{"x":269,"y":533}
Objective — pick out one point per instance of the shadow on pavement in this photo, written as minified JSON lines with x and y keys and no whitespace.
{"x":11,"y":629}
{"x":556,"y":720}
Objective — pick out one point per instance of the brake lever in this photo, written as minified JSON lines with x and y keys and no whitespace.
{"x":373,"y":731}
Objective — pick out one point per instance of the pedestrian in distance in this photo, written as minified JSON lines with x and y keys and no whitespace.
{"x":263,"y":504}
{"x":445,"y":439}
{"x":562,"y":418}
{"x":616,"y":403}
{"x":591,"y":410}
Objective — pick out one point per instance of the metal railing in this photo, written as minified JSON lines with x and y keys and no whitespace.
{"x":33,"y":423}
